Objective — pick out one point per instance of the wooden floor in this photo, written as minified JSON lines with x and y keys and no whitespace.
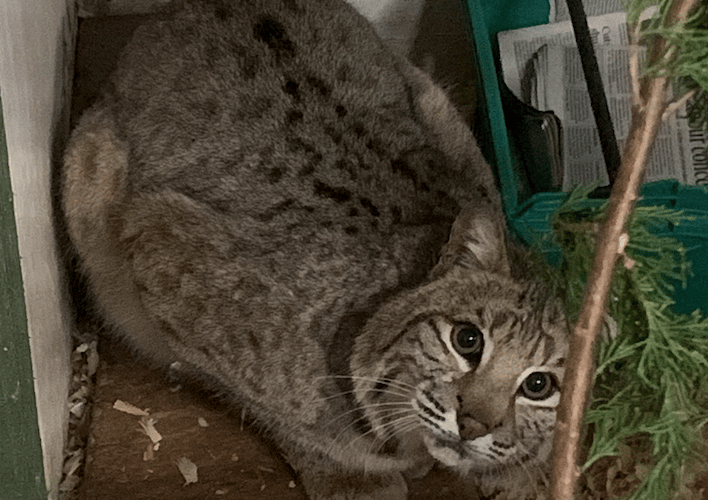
{"x":233,"y":460}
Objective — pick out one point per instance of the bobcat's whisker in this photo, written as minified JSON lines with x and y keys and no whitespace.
{"x":377,"y":427}
{"x":392,"y":382}
{"x":403,"y":429}
{"x":403,"y":425}
{"x":354,"y":391}
{"x":401,"y":404}
{"x":384,"y":427}
{"x":525,"y":466}
{"x":382,"y":414}
{"x":364,"y":419}
{"x":391,"y":423}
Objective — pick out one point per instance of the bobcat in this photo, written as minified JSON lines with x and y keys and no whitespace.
{"x":270,"y":197}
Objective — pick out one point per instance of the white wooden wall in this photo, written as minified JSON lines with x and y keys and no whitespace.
{"x":36,"y":50}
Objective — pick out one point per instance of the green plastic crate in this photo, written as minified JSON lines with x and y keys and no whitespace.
{"x":528,"y":212}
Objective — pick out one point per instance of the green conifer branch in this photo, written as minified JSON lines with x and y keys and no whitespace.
{"x":650,"y":380}
{"x":685,"y":59}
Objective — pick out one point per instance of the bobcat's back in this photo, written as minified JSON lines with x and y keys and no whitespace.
{"x":280,"y":146}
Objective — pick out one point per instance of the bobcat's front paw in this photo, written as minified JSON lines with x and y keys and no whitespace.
{"x":332,"y":486}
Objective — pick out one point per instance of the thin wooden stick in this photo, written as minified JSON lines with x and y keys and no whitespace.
{"x":646,"y":120}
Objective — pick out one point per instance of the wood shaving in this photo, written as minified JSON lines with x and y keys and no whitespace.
{"x":80,"y":394}
{"x":148,"y":428}
{"x":84,"y":363}
{"x":68,"y":485}
{"x":82,"y":348}
{"x":77,"y":409}
{"x":202,"y":422}
{"x":188,"y":470}
{"x":92,"y":359}
{"x":129,"y":408}
{"x":71,"y":465}
{"x":149,"y":453}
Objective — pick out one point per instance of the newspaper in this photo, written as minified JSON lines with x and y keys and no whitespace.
{"x":517,"y":47}
{"x":542,"y":66}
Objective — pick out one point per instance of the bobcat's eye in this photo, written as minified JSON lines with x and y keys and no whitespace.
{"x":538,"y":386}
{"x":468,"y":340}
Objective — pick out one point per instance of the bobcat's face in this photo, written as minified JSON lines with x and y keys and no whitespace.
{"x":475,"y":373}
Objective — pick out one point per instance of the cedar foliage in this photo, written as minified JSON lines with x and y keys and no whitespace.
{"x":685,"y":57}
{"x":650,"y":397}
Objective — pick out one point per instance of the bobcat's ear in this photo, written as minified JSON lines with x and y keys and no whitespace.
{"x":477,"y":241}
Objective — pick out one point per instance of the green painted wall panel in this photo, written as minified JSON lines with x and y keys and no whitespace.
{"x":21,"y":466}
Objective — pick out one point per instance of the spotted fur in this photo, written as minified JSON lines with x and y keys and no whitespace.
{"x":266,"y":195}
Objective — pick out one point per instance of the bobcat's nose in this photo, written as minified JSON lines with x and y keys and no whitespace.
{"x":470,"y":428}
